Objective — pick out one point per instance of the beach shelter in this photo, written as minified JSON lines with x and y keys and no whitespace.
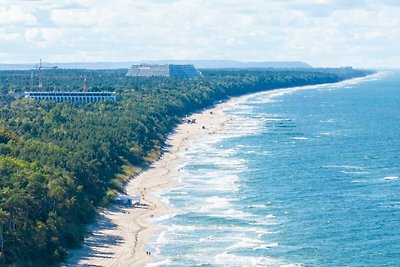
{"x":135,"y":200}
{"x":127,"y":200}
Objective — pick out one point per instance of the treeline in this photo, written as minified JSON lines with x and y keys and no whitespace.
{"x":59,"y":162}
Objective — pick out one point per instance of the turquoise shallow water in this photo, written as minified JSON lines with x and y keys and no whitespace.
{"x":303,"y":177}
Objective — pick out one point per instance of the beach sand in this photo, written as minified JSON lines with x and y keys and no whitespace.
{"x":121,"y":234}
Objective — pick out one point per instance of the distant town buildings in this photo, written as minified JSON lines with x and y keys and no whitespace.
{"x":88,"y":97}
{"x":167,"y":70}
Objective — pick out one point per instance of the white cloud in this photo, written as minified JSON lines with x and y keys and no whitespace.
{"x":7,"y":37}
{"x":44,"y":37}
{"x":14,"y":15}
{"x":320,"y":32}
{"x":75,"y":17}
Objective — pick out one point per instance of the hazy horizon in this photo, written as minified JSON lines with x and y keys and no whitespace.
{"x":322,"y":33}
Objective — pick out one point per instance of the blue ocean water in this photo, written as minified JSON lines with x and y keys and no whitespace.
{"x":303,"y":177}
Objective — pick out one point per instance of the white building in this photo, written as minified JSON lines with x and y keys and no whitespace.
{"x":72,"y":96}
{"x":167,"y":70}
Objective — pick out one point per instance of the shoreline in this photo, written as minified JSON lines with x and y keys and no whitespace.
{"x":121,"y":235}
{"x":111,"y":242}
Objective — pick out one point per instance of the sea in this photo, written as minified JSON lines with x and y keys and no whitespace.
{"x":305,"y":176}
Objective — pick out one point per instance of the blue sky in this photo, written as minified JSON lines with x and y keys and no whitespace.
{"x":361,"y":33}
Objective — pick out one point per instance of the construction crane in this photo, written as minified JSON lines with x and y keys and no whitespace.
{"x":32,"y":68}
{"x":83,"y":77}
{"x":40,"y":67}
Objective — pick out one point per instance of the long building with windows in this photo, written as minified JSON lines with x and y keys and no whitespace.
{"x":89,"y":97}
{"x":166,"y":70}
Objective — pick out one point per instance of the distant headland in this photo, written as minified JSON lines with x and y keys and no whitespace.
{"x":200,"y":64}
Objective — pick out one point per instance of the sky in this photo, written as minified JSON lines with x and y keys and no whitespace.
{"x":323,"y":33}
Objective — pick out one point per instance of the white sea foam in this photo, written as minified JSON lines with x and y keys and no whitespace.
{"x":246,"y":128}
{"x":213,"y":181}
{"x":391,"y":178}
{"x":354,"y":172}
{"x":229,"y":259}
{"x":245,"y":146}
{"x":206,"y":239}
{"x":334,"y":133}
{"x":238,"y":214}
{"x":220,"y":179}
{"x":160,"y":219}
{"x":230,"y":214}
{"x":232,"y":229}
{"x":215,"y":203}
{"x":267,"y":246}
{"x":300,"y":138}
{"x":163,"y":262}
{"x":345,"y":167}
{"x":270,"y":96}
{"x":264,"y":222}
{"x":329,"y":121}
{"x":248,"y":242}
{"x":159,"y":242}
{"x":276,"y":119}
{"x":219,"y":202}
{"x":180,"y":192}
{"x":259,"y":206}
{"x":174,"y":228}
{"x":260,"y":231}
{"x":221,"y":162}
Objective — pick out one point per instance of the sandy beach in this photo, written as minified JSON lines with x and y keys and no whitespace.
{"x":121,"y":234}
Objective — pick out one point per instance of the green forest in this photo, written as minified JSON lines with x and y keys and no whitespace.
{"x":61,"y":162}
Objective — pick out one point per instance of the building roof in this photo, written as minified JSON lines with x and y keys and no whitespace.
{"x":70,"y":93}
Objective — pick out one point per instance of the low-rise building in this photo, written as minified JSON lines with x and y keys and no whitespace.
{"x":72,"y":96}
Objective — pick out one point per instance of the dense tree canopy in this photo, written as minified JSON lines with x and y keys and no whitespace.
{"x":61,"y":161}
